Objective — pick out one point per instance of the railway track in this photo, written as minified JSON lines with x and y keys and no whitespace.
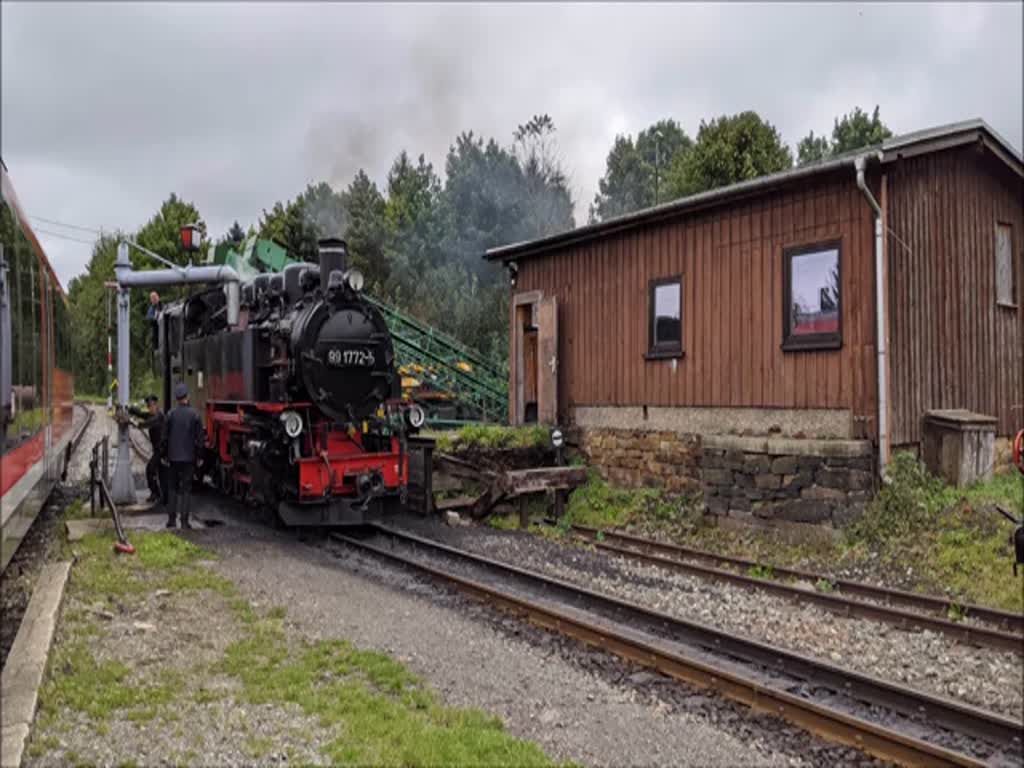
{"x":886,"y":720}
{"x":878,"y":603}
{"x":77,"y":439}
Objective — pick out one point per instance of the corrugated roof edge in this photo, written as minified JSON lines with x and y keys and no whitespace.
{"x":889,"y":149}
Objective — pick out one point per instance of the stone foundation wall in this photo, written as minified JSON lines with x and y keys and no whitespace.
{"x":797,"y":481}
{"x":761,"y":480}
{"x":638,"y":458}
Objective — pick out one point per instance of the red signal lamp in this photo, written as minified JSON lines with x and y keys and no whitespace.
{"x":190,"y":237}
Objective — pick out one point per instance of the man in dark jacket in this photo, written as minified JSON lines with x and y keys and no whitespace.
{"x":156,"y":471}
{"x":184,"y":439}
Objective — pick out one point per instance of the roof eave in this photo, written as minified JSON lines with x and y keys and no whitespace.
{"x":699,"y":201}
{"x":920,"y":142}
{"x":974,"y":132}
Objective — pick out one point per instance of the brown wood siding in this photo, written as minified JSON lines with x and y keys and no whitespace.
{"x":951,"y":346}
{"x":731,"y":260}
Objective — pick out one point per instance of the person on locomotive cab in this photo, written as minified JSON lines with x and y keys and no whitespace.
{"x":156,"y":469}
{"x":152,"y":317}
{"x":183,"y":438}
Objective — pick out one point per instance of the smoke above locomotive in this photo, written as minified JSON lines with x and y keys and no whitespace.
{"x":302,"y":397}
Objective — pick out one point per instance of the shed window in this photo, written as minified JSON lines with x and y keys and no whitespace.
{"x":811,"y":305}
{"x":665,"y":318}
{"x":1006,"y":283}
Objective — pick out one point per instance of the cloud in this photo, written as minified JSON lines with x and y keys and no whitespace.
{"x":107,"y":109}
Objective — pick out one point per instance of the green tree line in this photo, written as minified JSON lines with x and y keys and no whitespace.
{"x":419,"y":238}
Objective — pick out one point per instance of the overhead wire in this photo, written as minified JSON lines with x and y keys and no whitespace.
{"x":62,"y":236}
{"x":66,"y":225}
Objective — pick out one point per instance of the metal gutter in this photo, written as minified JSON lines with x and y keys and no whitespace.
{"x":880,"y":309}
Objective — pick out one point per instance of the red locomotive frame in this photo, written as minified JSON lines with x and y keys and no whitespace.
{"x":332,"y":459}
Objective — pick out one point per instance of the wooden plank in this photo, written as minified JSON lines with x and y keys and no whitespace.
{"x":455,"y":503}
{"x":540,"y":479}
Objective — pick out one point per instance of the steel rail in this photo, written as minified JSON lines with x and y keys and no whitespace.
{"x":77,"y":439}
{"x":839,"y":604}
{"x":1005,"y":619}
{"x":828,"y":723}
{"x":952,"y":715}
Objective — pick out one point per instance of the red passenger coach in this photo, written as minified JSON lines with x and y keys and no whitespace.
{"x":36,"y":384}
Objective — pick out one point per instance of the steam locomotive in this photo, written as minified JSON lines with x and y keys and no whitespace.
{"x":301,"y":399}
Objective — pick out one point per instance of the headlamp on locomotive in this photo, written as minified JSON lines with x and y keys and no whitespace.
{"x":302,"y":398}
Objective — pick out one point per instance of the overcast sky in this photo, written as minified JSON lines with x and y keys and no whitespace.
{"x":106,"y":109}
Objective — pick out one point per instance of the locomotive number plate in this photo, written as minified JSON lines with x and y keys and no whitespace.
{"x":338,"y":357}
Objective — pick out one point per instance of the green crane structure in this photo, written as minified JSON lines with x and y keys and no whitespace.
{"x":463,"y":385}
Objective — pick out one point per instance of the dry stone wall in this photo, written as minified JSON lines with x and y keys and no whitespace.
{"x":638,"y":458}
{"x":796,"y":481}
{"x":758,"y":479}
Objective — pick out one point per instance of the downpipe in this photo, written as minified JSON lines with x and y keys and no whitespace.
{"x":883,"y":390}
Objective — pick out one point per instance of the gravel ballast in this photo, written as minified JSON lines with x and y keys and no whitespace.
{"x":925,"y":660}
{"x":495,"y":665}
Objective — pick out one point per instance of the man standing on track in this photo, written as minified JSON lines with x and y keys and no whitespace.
{"x":183,"y":438}
{"x":156,"y":470}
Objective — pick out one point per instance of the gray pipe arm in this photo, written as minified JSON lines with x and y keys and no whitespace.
{"x":156,"y":278}
{"x":190,"y":275}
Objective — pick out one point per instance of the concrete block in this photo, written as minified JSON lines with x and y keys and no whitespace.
{"x":23,"y":672}
{"x":15,"y":737}
{"x":959,"y":445}
{"x":778,"y":446}
{"x":79,"y":529}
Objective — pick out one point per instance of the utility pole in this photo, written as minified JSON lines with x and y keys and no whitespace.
{"x":111,"y":287}
{"x":657,"y":163}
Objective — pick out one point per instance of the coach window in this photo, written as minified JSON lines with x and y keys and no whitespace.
{"x":665,"y":323}
{"x":1006,"y":280}
{"x":813,"y":296}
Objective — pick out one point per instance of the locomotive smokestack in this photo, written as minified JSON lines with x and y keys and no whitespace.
{"x":333,"y":257}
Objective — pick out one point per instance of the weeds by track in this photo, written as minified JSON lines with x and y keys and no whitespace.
{"x":886,"y":720}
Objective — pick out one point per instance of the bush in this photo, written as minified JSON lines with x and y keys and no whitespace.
{"x":911,"y":499}
{"x":494,"y":437}
{"x":599,"y":505}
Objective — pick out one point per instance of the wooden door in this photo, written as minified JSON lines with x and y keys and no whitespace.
{"x":547,"y":360}
{"x":529,"y":372}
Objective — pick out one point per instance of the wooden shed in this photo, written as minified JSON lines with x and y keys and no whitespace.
{"x":754,"y":309}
